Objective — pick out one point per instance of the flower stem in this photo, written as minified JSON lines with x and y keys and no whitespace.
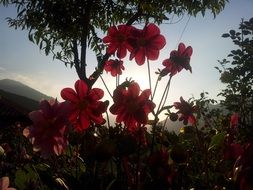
{"x":164,"y":96}
{"x":167,"y":92}
{"x":149,"y":79}
{"x":163,"y":100}
{"x":105,"y":85}
{"x":156,"y":84}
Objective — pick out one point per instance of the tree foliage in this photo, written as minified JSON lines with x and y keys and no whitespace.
{"x":67,"y":28}
{"x":237,"y":72}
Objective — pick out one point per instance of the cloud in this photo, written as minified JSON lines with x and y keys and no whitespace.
{"x":38,"y":81}
{"x":2,"y":69}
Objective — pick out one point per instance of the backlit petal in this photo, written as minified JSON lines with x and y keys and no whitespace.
{"x":181,"y":48}
{"x":121,"y":52}
{"x":151,"y":30}
{"x":152,"y":54}
{"x":85,"y":121}
{"x":139,"y":56}
{"x":145,"y":95}
{"x":188,"y":51}
{"x":69,"y":94}
{"x":81,"y":89}
{"x":158,"y":42}
{"x":46,"y":108}
{"x":96,"y":94}
{"x":134,"y":89}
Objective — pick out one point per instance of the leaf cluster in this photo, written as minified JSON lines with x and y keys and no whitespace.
{"x":63,"y":27}
{"x":237,"y":71}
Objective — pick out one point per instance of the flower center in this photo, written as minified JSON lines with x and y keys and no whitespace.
{"x":180,"y":60}
{"x":83,"y":104}
{"x":121,"y":38}
{"x":132,"y":105}
{"x":142,"y":42}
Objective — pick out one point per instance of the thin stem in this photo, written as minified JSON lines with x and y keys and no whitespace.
{"x":165,"y":94}
{"x":156,"y":84}
{"x":149,"y":79}
{"x":165,"y":123}
{"x":116,"y":80}
{"x":105,"y":85}
{"x":108,"y":120}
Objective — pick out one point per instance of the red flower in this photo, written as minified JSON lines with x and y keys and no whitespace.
{"x":47,"y":133}
{"x":85,"y":105}
{"x":146,"y":43}
{"x":117,"y":40}
{"x":234,"y":120}
{"x":179,"y":59}
{"x":114,"y":66}
{"x":186,"y":111}
{"x":130,"y":107}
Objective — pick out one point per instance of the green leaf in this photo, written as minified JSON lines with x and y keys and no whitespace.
{"x":232,"y":32}
{"x":225,"y":35}
{"x":217,"y":140}
{"x":24,"y":176}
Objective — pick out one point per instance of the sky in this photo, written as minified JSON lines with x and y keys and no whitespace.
{"x":22,"y":60}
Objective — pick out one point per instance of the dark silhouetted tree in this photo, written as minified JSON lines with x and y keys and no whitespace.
{"x":237,"y":72}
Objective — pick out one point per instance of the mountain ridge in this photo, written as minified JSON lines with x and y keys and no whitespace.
{"x":18,"y":88}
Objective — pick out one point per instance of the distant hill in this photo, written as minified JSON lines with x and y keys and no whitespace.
{"x":21,"y":103}
{"x":21,"y":89}
{"x":176,"y":126}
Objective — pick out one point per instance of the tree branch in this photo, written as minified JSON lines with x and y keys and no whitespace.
{"x":76,"y":59}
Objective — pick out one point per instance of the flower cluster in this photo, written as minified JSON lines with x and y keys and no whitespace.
{"x":138,"y":151}
{"x":179,"y":59}
{"x":186,"y":111}
{"x":48,"y":132}
{"x":142,"y":44}
{"x":85,"y":104}
{"x":130,"y":106}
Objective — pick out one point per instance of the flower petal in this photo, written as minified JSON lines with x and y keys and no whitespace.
{"x":151,"y":30}
{"x":69,"y":94}
{"x":145,"y":95}
{"x":46,"y":108}
{"x":158,"y":42}
{"x":181,"y":48}
{"x":84,"y":121}
{"x":121,"y":52}
{"x":36,"y":116}
{"x":81,"y":89}
{"x":139,"y":56}
{"x":188,"y":51}
{"x":134,"y":89}
{"x":96,"y":94}
{"x":152,"y":54}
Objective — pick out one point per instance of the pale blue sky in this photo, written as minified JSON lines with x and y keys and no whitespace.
{"x":21,"y":60}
